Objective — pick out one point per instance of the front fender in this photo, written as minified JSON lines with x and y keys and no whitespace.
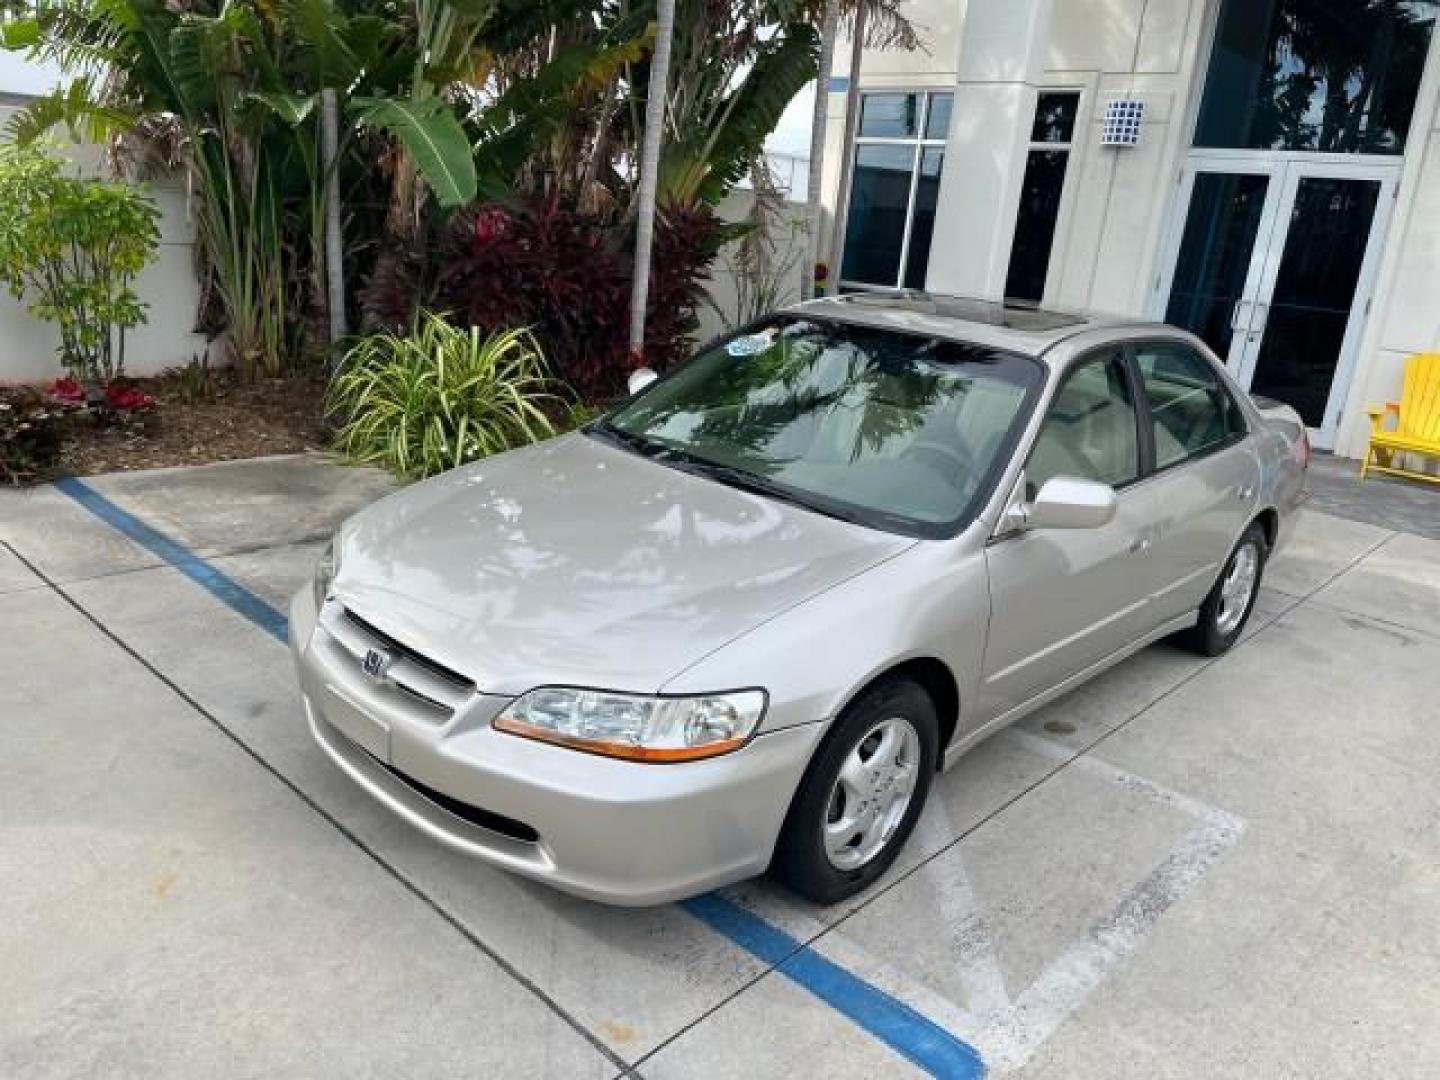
{"x":932,"y":601}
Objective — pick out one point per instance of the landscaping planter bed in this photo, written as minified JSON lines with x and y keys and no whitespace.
{"x":229,"y":419}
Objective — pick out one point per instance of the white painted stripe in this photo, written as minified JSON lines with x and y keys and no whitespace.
{"x":1008,"y":1031}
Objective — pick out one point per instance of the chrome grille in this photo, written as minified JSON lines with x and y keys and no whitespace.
{"x":411,"y":675}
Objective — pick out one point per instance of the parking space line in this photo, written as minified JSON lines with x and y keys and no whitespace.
{"x":1007,"y":1030}
{"x":220,"y":585}
{"x":897,"y":1025}
{"x":901,"y":1028}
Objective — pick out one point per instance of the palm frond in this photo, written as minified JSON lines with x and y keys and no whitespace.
{"x":708,"y":169}
{"x":78,"y":106}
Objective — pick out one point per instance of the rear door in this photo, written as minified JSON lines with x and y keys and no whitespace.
{"x":1206,"y":475}
{"x":1062,"y":600}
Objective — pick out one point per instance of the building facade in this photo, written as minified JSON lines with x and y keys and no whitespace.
{"x":1265,"y":173}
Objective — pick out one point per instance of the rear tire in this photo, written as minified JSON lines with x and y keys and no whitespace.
{"x":1227,"y":609}
{"x":861,"y":794}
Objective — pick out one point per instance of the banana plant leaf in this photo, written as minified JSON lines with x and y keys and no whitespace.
{"x":432,"y":134}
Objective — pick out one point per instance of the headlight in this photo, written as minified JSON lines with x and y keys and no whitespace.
{"x":636,"y":727}
{"x":325,"y":571}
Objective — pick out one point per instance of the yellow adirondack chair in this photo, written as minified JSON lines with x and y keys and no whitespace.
{"x":1417,"y":423}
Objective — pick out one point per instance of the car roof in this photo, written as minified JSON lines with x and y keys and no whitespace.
{"x":1009,"y":325}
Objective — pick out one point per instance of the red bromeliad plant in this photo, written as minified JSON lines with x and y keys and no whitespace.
{"x":68,"y":392}
{"x":127,"y":399}
{"x":115,"y":395}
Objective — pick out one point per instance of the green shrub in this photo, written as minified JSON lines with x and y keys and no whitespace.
{"x":441,"y":397}
{"x":31,"y":427}
{"x":73,"y":247}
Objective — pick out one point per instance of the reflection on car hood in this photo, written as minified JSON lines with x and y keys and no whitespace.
{"x":576,"y":562}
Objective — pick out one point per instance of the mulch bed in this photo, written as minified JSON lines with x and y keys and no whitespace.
{"x":232,"y":420}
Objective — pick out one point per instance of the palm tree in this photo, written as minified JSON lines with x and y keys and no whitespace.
{"x":655,"y":101}
{"x":874,"y":24}
{"x":829,"y":26}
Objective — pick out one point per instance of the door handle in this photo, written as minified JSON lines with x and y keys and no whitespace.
{"x":1263,"y":310}
{"x":1236,"y":323}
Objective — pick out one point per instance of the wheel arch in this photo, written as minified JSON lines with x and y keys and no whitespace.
{"x":933,"y":676}
{"x":1269,"y":522}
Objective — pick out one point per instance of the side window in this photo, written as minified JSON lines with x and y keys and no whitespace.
{"x":1090,"y":431}
{"x":1192,"y":408}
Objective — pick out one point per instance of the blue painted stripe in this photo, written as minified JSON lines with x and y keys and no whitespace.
{"x":839,"y":84}
{"x":894,"y":1023}
{"x":220,"y":585}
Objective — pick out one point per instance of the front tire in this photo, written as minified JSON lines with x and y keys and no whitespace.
{"x":861,"y":795}
{"x":1227,"y":609}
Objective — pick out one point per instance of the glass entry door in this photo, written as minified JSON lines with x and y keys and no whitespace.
{"x":1273,"y":262}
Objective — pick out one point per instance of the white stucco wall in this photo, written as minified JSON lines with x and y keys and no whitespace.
{"x":1118,"y":201}
{"x":790,"y":240}
{"x":998,"y":55}
{"x":169,"y":286}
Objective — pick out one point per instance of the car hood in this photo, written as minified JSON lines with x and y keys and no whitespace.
{"x":576,"y":562}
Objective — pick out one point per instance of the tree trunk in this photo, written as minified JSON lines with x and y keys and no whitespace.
{"x":847,"y":158}
{"x":334,"y":253}
{"x":815,"y":185}
{"x":649,"y":172}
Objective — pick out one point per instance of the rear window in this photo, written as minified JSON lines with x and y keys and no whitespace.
{"x":1193,"y":410}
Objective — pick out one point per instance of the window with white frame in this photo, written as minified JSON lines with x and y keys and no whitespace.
{"x":894,"y":188}
{"x":1045,"y":166}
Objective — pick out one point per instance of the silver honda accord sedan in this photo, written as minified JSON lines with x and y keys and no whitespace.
{"x":741,"y":621}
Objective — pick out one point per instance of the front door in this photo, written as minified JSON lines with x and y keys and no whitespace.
{"x":1061,"y":601}
{"x":1272,"y":262}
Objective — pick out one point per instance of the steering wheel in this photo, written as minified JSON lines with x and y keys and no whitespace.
{"x":944,"y":458}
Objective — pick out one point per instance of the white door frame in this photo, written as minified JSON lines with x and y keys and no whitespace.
{"x":1285,"y":171}
{"x":1225,"y":164}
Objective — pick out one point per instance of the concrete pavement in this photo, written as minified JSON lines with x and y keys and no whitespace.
{"x":1185,"y":868}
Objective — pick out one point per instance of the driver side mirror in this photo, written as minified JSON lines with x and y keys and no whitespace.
{"x":1067,"y":502}
{"x":640,"y":378}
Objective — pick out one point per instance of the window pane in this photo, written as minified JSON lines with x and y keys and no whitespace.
{"x":937,"y":124}
{"x":1090,"y":432}
{"x":1035,"y":225}
{"x":1192,"y":409}
{"x":1314,"y":296}
{"x":1220,"y":233}
{"x":889,"y":116}
{"x":875,"y":225}
{"x":922,"y":226}
{"x":1055,"y":118}
{"x":1338,"y":76}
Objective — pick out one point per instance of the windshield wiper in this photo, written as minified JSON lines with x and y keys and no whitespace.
{"x":729,"y":475}
{"x":640,"y":444}
{"x":755,"y":484}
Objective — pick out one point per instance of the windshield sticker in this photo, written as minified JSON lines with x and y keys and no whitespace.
{"x":753,"y":345}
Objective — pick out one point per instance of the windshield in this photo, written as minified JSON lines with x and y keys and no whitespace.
{"x":896,"y":430}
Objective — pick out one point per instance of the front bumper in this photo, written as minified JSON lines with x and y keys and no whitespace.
{"x":614,"y":831}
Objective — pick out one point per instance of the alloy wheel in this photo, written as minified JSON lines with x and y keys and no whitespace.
{"x":1237,"y":589}
{"x":871,"y":794}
